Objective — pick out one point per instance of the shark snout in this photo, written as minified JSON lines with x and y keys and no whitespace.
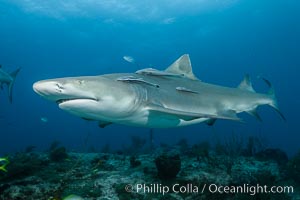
{"x":60,"y":90}
{"x":50,"y":89}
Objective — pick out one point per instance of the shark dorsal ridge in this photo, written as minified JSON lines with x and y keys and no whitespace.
{"x":182,"y":66}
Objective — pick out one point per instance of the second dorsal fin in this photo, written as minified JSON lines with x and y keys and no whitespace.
{"x":246,"y":84}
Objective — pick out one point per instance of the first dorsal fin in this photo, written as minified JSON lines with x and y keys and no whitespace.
{"x":183,"y":67}
{"x":246,"y":84}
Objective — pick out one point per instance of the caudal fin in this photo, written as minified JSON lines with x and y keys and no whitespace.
{"x":273,"y":103}
{"x":11,"y":84}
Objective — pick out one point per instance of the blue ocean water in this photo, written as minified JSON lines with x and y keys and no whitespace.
{"x":225,"y":40}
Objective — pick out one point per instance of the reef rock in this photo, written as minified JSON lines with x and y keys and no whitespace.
{"x":168,"y":165}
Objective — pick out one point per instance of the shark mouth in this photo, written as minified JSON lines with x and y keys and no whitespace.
{"x":60,"y":101}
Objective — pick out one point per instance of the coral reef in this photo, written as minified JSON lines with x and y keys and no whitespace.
{"x":102,"y":176}
{"x":134,"y":162}
{"x":23,"y":165}
{"x":293,"y":168}
{"x":57,"y":153}
{"x":168,"y":165}
{"x":276,"y":155}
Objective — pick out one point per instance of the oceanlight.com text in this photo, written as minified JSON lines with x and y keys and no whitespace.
{"x":249,"y":189}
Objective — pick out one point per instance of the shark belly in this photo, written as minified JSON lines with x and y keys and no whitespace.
{"x":148,"y":120}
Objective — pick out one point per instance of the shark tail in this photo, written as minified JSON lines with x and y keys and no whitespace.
{"x":11,"y":84}
{"x":273,"y":103}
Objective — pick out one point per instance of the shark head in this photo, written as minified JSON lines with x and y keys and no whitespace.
{"x":94,"y":98}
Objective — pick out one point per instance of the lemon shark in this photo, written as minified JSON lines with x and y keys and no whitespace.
{"x":152,"y":98}
{"x":9,"y":79}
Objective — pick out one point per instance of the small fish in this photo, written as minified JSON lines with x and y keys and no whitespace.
{"x":73,"y":197}
{"x":44,"y":119}
{"x":6,"y":162}
{"x":169,"y":20}
{"x":129,"y":59}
